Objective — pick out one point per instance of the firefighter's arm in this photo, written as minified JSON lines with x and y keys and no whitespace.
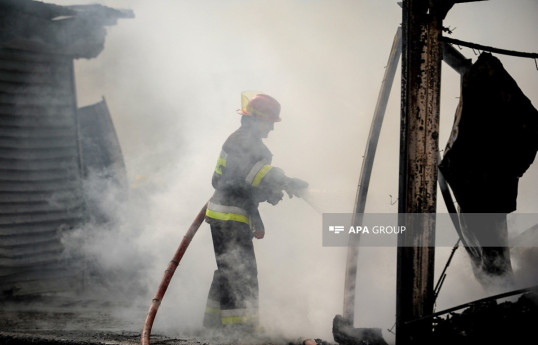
{"x":276,"y":181}
{"x":295,"y":186}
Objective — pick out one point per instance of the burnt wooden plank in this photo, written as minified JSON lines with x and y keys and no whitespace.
{"x":34,"y":90}
{"x":35,"y":176}
{"x":38,"y":67}
{"x":33,"y":187}
{"x":35,"y":153}
{"x":36,"y":228}
{"x":40,"y":207}
{"x":31,"y":249}
{"x":33,"y":218}
{"x":28,"y":240}
{"x":37,"y":143}
{"x":34,"y":79}
{"x":48,"y":111}
{"x":44,"y":258}
{"x":40,"y":164}
{"x":21,"y":100}
{"x":40,"y":285}
{"x":33,"y":57}
{"x":57,"y":196}
{"x":9,"y":132}
{"x":45,"y":122}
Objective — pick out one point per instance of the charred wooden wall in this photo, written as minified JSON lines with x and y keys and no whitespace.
{"x":40,"y":171}
{"x":41,"y":161}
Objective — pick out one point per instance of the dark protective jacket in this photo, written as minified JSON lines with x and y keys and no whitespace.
{"x":243,"y":178}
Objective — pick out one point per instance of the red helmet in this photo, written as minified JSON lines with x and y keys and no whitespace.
{"x":261,"y":106}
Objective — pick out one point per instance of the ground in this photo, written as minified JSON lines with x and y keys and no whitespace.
{"x":93,"y":323}
{"x":63,"y":322}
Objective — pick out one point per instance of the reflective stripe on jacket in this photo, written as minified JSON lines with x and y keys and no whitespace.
{"x":243,"y":178}
{"x":257,"y":173}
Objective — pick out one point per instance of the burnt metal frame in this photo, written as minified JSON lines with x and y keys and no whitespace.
{"x":460,"y":64}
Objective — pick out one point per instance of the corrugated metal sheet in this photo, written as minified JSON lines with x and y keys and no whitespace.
{"x":101,"y":156}
{"x":40,"y":172}
{"x":100,"y":147}
{"x":41,"y":194}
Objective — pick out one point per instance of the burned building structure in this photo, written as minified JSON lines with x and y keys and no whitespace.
{"x":47,"y":143}
{"x":494,"y":141}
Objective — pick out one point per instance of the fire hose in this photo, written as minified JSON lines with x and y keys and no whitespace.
{"x":168,"y":273}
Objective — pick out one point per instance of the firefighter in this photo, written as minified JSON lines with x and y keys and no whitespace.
{"x":243,"y":178}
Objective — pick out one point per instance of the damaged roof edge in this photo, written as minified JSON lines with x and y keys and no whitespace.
{"x":77,"y":31}
{"x":107,"y":16}
{"x":36,"y":8}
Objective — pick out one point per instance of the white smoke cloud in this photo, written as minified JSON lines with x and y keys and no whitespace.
{"x":172,"y":78}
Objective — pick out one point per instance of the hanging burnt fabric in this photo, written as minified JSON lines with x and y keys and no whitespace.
{"x":493,"y":142}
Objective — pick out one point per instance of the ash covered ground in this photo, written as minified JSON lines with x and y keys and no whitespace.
{"x":64,"y":321}
{"x":69,"y":320}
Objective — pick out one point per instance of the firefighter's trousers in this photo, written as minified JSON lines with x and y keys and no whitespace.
{"x":233,"y":296}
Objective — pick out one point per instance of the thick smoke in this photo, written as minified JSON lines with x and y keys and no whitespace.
{"x":172,"y":78}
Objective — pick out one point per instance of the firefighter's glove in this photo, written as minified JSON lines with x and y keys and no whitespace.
{"x":259,"y":234}
{"x":295,"y":186}
{"x":275,"y":197}
{"x":256,"y":224}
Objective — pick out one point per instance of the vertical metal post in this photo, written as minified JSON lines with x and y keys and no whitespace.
{"x":421,"y":75}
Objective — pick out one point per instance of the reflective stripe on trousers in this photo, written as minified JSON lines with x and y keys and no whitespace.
{"x":212,"y":307}
{"x":215,"y":316}
{"x":222,"y":212}
{"x":212,"y":317}
{"x":239,"y":316}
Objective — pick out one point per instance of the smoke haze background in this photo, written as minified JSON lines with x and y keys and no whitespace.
{"x":172,"y":78}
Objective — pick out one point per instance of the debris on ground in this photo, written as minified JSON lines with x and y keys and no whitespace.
{"x":490,"y":323}
{"x":345,"y":334}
